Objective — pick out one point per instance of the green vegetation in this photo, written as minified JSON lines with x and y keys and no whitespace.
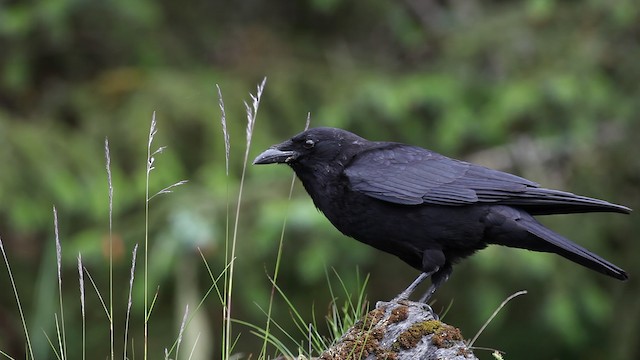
{"x":543,"y":88}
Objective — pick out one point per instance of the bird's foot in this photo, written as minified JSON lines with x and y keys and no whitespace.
{"x":433,"y":313}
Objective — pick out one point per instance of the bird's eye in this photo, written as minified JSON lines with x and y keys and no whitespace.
{"x":309,"y":144}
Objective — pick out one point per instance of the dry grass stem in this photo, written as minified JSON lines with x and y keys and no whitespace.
{"x":107,"y":156}
{"x":169,"y":188}
{"x":251,"y":119}
{"x":150,"y":161}
{"x":95,"y":288}
{"x":182,"y":326}
{"x":225,"y":133}
{"x":129,"y":301}
{"x":61,"y":343}
{"x":63,"y":340}
{"x":15,"y":294}
{"x":263,"y":351}
{"x":195,"y":343}
{"x":82,"y":309}
{"x":521,"y":292}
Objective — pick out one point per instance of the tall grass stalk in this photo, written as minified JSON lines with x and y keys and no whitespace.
{"x":149,"y":167}
{"x":251,"y":118}
{"x":181,"y":332}
{"x":53,"y":347}
{"x":15,"y":294}
{"x":95,"y":288}
{"x":263,"y":351}
{"x":63,"y":339}
{"x":150,"y":160}
{"x":61,"y":343}
{"x":110,"y":187}
{"x":496,"y":311}
{"x":225,"y":133}
{"x":187,"y":320}
{"x":129,"y":301}
{"x":227,"y":152}
{"x":195,"y":344}
{"x":82,"y":310}
{"x":6,"y":355}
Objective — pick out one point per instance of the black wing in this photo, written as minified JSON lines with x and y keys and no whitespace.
{"x":411,"y":175}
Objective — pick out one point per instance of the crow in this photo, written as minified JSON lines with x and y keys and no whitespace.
{"x":427,"y":209}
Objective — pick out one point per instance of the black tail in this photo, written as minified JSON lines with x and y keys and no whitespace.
{"x":569,"y":250}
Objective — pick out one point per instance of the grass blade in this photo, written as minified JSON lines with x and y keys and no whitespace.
{"x":484,"y":326}
{"x":110,"y":187}
{"x":276,"y":270}
{"x":15,"y":294}
{"x":251,"y":119}
{"x":84,"y":318}
{"x":129,"y":301}
{"x":63,"y":339}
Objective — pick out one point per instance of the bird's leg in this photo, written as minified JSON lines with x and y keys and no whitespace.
{"x":433,"y":263}
{"x":440,"y":277}
{"x":405,"y":294}
{"x":427,"y":295}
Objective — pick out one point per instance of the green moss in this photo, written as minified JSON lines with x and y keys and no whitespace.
{"x":412,"y":336}
{"x":446,"y":336}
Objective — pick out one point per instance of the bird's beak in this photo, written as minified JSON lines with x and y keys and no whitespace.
{"x":273,"y":155}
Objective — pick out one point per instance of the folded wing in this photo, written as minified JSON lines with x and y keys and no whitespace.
{"x":411,"y":175}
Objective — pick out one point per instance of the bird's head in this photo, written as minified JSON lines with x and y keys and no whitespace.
{"x":317,"y":145}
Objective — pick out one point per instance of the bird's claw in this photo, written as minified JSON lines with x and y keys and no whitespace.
{"x":433,"y":313}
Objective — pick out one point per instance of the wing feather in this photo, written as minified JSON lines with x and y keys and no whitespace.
{"x":411,"y":175}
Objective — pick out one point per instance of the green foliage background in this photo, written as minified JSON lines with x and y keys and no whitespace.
{"x":546,"y":89}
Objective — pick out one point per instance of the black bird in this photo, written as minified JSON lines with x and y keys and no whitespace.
{"x":429,"y":210}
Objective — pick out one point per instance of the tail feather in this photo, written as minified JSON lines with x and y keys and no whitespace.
{"x":571,"y":251}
